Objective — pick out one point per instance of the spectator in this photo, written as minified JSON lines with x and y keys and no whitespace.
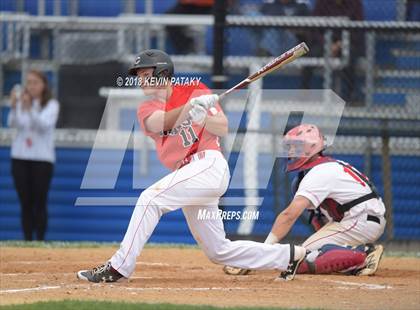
{"x":413,"y":10}
{"x":353,"y":9}
{"x":183,"y":43}
{"x":34,"y":114}
{"x":274,"y":41}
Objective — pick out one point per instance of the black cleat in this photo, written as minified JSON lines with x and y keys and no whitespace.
{"x":289,"y":273}
{"x":103,"y":273}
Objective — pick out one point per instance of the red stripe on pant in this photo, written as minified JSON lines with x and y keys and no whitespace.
{"x":336,"y":233}
{"x":138,"y":226}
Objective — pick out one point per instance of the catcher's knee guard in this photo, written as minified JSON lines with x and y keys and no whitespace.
{"x":332,"y":259}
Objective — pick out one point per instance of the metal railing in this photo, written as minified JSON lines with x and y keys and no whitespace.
{"x":144,"y":27}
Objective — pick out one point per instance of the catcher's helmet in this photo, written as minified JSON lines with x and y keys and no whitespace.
{"x":303,"y":141}
{"x":156,"y":59}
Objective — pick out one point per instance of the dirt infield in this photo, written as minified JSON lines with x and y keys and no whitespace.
{"x":185,"y":276}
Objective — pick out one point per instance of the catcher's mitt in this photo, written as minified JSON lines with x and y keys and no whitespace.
{"x":233,"y":271}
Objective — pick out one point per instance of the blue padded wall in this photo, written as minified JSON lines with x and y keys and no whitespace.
{"x":108,"y":223}
{"x":68,"y":222}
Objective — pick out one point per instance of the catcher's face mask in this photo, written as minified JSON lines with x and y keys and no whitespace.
{"x":302,"y":142}
{"x":294,"y":151}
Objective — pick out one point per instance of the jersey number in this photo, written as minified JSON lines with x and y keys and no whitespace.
{"x":354,"y":175}
{"x":188,"y":138}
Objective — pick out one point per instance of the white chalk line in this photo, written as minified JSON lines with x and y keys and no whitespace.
{"x":35,"y":274}
{"x":347,"y":286}
{"x":31,"y":262}
{"x":188,"y":288}
{"x":44,"y":262}
{"x":30,"y":289}
{"x":368,"y":286}
{"x":99,"y":285}
{"x":154,"y":264}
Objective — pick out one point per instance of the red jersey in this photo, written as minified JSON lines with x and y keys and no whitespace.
{"x":172,"y":146}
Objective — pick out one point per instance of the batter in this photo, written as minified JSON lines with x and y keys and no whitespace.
{"x":185,"y":122}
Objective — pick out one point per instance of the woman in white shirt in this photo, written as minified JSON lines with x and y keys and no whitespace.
{"x":34,"y":114}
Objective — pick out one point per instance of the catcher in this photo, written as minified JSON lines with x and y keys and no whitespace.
{"x":346,"y":210}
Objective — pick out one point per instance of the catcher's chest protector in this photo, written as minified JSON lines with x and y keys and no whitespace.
{"x":334,"y":209}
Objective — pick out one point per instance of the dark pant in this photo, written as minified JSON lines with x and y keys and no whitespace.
{"x":32,"y":181}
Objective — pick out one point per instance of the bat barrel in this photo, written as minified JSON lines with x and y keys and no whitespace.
{"x":295,"y":52}
{"x":302,"y":48}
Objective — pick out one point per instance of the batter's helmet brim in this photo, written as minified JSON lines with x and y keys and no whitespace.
{"x":133,"y":70}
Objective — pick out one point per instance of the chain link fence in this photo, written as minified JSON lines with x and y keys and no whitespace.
{"x":370,"y":58}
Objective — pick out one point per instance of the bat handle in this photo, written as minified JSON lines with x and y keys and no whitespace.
{"x":222,"y":95}
{"x":227,"y":92}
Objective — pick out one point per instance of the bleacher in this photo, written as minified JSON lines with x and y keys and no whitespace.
{"x":396,"y":54}
{"x":395,"y":85}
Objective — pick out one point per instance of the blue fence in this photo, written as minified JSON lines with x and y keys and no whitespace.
{"x":108,"y":223}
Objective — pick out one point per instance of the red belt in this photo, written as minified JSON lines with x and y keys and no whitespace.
{"x":192,"y":157}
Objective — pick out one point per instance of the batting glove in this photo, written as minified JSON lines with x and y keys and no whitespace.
{"x":198,"y":114}
{"x":206,"y":101}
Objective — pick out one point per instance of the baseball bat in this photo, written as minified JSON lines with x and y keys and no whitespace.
{"x":289,"y":56}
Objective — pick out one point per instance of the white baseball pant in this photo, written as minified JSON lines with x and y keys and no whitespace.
{"x":351,"y":232}
{"x":195,"y":186}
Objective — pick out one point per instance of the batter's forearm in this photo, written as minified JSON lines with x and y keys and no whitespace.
{"x":173,"y":118}
{"x":217,"y":125}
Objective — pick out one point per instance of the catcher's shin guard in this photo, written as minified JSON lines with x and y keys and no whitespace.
{"x":336,"y":260}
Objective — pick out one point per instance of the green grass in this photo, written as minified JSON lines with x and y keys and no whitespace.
{"x":105,"y":305}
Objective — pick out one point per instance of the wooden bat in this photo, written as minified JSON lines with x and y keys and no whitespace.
{"x":289,"y":56}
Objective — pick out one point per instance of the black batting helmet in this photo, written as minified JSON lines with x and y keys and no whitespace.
{"x":156,"y":59}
